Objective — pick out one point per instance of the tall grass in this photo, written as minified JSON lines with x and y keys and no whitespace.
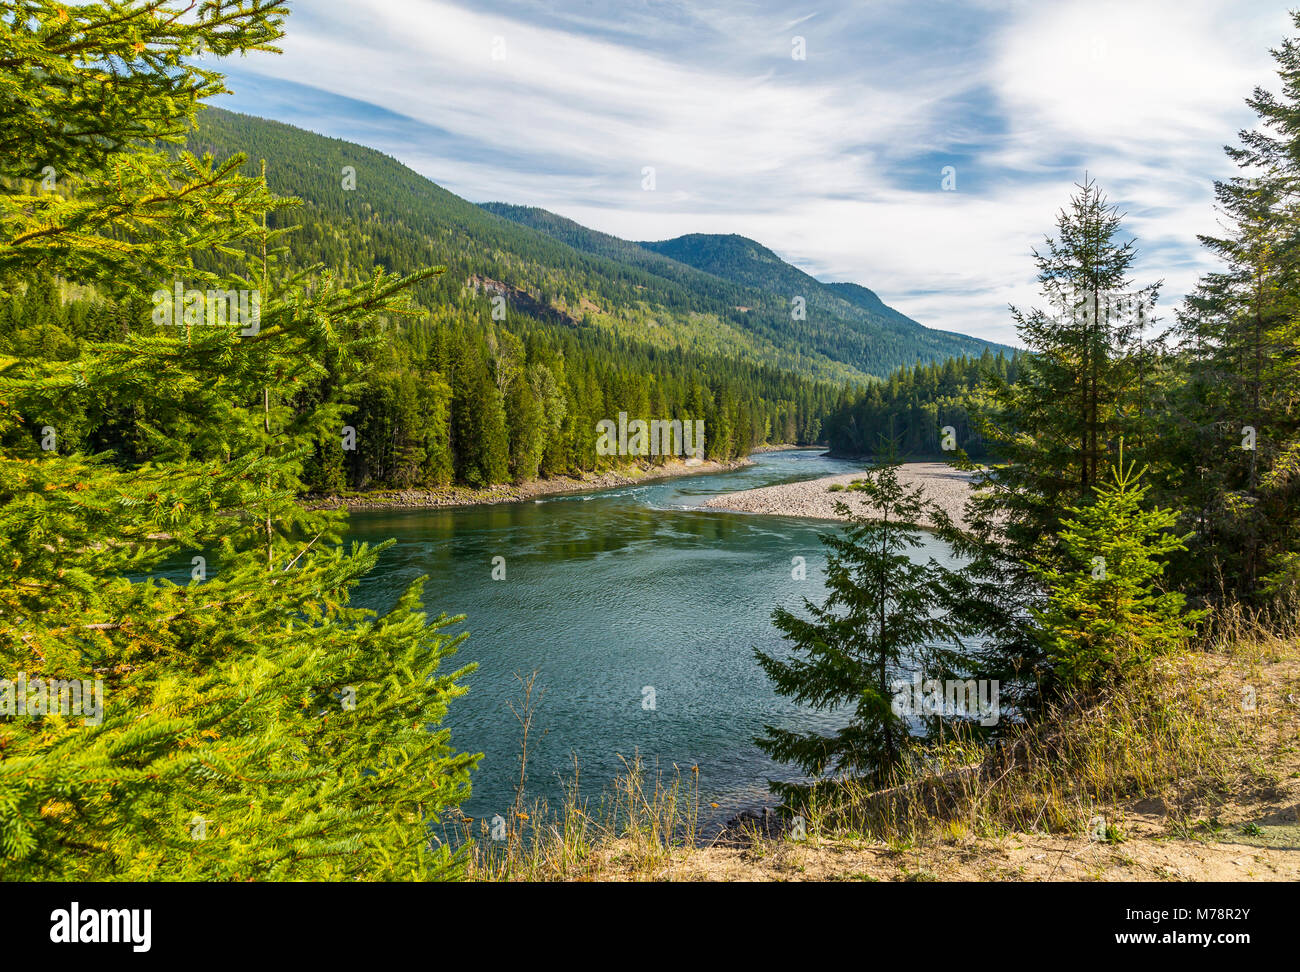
{"x":1184,"y":731}
{"x":1178,"y":736}
{"x":636,"y":827}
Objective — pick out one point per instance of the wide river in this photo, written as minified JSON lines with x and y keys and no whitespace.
{"x":640,"y":612}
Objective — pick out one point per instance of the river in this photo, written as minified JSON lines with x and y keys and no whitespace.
{"x":639,"y":611}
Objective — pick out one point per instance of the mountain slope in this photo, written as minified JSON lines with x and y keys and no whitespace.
{"x":846,"y":322}
{"x":738,"y":259}
{"x":550,"y":268}
{"x":744,"y":261}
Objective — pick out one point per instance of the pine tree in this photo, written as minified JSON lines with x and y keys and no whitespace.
{"x":1078,"y":391}
{"x":479,"y":436}
{"x":1105,"y":614}
{"x":1053,"y":427}
{"x":849,"y":650}
{"x":1233,"y":453}
{"x":253,"y":724}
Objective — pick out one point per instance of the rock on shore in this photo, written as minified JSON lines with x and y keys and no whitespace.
{"x":946,"y":486}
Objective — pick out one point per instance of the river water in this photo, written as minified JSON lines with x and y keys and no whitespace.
{"x":640,"y":612}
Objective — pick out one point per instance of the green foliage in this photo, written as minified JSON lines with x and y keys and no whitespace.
{"x":877,"y":617}
{"x":1053,"y":426}
{"x":1086,"y":381}
{"x":909,"y":411}
{"x":1240,"y":338}
{"x":81,"y":83}
{"x":1105,"y":614}
{"x":253,"y":724}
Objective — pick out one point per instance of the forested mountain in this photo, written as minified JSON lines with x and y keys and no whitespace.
{"x":664,"y":294}
{"x":877,"y":330}
{"x":852,"y":326}
{"x":397,"y":219}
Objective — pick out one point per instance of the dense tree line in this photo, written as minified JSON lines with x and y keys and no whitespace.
{"x":451,"y":396}
{"x":907,"y":414}
{"x":507,"y":403}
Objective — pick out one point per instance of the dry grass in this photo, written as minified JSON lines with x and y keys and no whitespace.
{"x":639,"y":826}
{"x":1191,"y":772}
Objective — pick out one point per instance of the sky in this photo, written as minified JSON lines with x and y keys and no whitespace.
{"x":834,"y":159}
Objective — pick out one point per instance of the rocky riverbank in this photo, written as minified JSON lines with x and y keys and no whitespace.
{"x":813,"y":498}
{"x":513,"y":493}
{"x":787,"y":447}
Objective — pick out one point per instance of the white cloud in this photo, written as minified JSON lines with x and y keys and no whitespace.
{"x":814,"y":159}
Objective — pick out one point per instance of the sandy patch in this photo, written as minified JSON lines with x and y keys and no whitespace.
{"x":949,"y":488}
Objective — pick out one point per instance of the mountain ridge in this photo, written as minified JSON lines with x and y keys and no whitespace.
{"x":723,"y":257}
{"x":703,"y":250}
{"x":400,"y":220}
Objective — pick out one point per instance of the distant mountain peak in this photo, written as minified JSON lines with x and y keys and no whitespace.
{"x":710,"y":294}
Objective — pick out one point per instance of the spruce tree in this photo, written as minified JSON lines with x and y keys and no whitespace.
{"x":1053,"y":427}
{"x":1233,"y":449}
{"x":878,"y":618}
{"x":1105,"y":613}
{"x":253,"y":725}
{"x":1076,"y":393}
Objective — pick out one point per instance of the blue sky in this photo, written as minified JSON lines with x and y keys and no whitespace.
{"x":834,"y":160}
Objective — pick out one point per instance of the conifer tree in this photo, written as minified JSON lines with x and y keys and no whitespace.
{"x":877,"y":619}
{"x":1078,"y":391}
{"x":1105,"y":613}
{"x":1233,"y":449}
{"x":479,"y":436}
{"x":253,"y":724}
{"x":1054,"y":426}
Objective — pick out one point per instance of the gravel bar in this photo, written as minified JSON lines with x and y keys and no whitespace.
{"x":946,"y":486}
